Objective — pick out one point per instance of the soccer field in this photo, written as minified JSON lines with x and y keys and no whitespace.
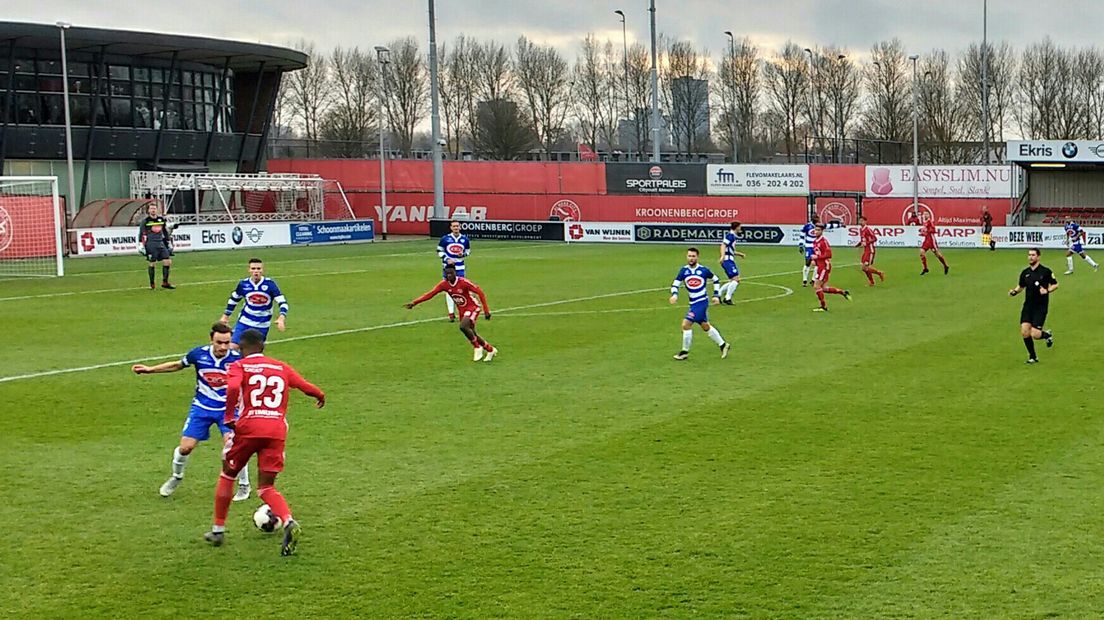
{"x":891,"y":458}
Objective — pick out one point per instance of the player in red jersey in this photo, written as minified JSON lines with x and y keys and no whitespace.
{"x":464,"y":293}
{"x":927,"y":231}
{"x":868,"y":239}
{"x":261,"y":384}
{"x":822,"y":259}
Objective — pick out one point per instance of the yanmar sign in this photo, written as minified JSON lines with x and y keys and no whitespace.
{"x":656,"y":179}
{"x":598,"y":232}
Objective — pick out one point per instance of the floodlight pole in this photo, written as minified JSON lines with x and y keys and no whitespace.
{"x":383,"y":56}
{"x":656,"y":132}
{"x":435,"y":118}
{"x":70,"y":206}
{"x":985,"y":77}
{"x":915,"y":140}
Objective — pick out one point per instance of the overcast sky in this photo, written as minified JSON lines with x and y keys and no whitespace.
{"x":855,"y":24}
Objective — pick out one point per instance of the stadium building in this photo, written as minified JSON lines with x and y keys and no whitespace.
{"x":138,"y":101}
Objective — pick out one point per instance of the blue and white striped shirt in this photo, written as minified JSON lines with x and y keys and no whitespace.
{"x":729,"y":243}
{"x":211,"y":376}
{"x":454,"y":247}
{"x":696,"y":279}
{"x":259,"y":299}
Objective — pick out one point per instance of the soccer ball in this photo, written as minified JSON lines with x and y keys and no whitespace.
{"x":266,"y":520}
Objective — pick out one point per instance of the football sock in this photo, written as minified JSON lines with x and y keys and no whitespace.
{"x":179,"y":462}
{"x":941,"y":259}
{"x":924,"y":260}
{"x":1069,"y":262}
{"x":276,"y":502}
{"x":475,"y":343}
{"x":1089,"y":260}
{"x":731,"y":290}
{"x":224,"y":492}
{"x":715,"y":335}
{"x":687,"y":338}
{"x":1030,"y":344}
{"x":869,"y":274}
{"x":833,"y":291}
{"x":450,"y":304}
{"x":152,"y":272}
{"x":165,"y":273}
{"x":1043,"y":335}
{"x":488,"y":347}
{"x":820,"y":296}
{"x":243,"y":477}
{"x":804,"y":273}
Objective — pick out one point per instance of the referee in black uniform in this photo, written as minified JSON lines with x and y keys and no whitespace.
{"x":1037,"y":283}
{"x":155,"y":241}
{"x":987,"y":229}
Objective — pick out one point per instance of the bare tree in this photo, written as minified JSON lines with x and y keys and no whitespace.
{"x":1000,"y":66}
{"x":407,"y":85}
{"x":786,"y":77}
{"x":942,"y":121}
{"x":351,"y":118}
{"x":1044,"y":88}
{"x":591,"y":90}
{"x":738,"y":86}
{"x":1088,"y":76}
{"x":456,"y":86}
{"x":545,"y":83}
{"x":888,"y":113}
{"x":639,"y":98}
{"x":498,"y":129}
{"x":844,"y":88}
{"x":309,"y":91}
{"x":685,"y":78}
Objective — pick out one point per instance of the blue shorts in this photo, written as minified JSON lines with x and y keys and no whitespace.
{"x":808,"y":252}
{"x":459,"y":272}
{"x":699,"y":312}
{"x":1077,"y":248}
{"x":240,"y":328}
{"x":730,"y":268}
{"x":198,"y":424}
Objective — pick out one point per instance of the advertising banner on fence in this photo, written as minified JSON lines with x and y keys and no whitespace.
{"x":502,"y":229}
{"x":124,"y":239}
{"x":598,"y":232}
{"x":25,"y":226}
{"x":333,"y":232}
{"x":706,"y":233}
{"x":1056,"y":151}
{"x":909,"y":236}
{"x":752,"y":180}
{"x":1052,"y":237}
{"x":940,"y":181}
{"x":656,"y":179}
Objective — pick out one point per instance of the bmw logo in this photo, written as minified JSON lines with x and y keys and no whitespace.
{"x":237,"y":235}
{"x":1069,"y":150}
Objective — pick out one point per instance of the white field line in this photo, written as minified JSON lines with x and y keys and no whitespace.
{"x":356,"y":330}
{"x":786,"y":292}
{"x":209,"y":282}
{"x":237,"y":263}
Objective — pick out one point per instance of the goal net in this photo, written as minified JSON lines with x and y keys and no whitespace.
{"x":31,"y":224}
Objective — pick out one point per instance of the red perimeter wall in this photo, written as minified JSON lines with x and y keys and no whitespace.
{"x":537,"y":190}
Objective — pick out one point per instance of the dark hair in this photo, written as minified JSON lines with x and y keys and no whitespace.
{"x":815,"y":218}
{"x":820,"y":226}
{"x":694,"y":250}
{"x":1037,"y":251}
{"x":220,"y":328}
{"x":451,"y":222}
{"x":251,"y":338}
{"x":255,"y":260}
{"x":734,"y":225}
{"x":452,"y":267}
{"x":862,"y":218}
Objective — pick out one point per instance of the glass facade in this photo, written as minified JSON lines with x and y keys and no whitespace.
{"x":124,"y":96}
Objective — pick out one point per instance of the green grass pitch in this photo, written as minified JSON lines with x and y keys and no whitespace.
{"x":892,"y":458}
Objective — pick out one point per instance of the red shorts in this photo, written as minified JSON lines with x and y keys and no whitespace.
{"x":470,"y":314}
{"x":929,"y":244}
{"x":822,"y":273}
{"x":239,"y":448}
{"x":868,"y":255}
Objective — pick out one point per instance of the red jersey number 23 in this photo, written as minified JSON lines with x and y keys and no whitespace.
{"x":266,"y":391}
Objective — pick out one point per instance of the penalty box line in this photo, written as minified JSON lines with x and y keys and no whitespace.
{"x":355,"y":330}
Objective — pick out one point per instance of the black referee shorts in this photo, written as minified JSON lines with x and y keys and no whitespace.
{"x":156,"y":252}
{"x":1033,"y":314}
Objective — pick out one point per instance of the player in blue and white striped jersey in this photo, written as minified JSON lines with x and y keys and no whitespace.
{"x":452,"y":249}
{"x":1075,"y":244}
{"x":695,"y":277}
{"x":260,"y":294}
{"x":211,"y":363}
{"x":805,"y":244}
{"x":728,"y":263}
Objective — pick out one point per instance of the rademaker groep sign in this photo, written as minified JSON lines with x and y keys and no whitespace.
{"x":656,"y":179}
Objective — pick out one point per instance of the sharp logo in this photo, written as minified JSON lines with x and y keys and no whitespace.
{"x":7,"y":230}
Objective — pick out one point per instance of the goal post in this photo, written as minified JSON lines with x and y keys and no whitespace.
{"x":31,"y":226}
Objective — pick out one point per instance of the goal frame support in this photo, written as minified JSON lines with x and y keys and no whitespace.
{"x":55,"y":218}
